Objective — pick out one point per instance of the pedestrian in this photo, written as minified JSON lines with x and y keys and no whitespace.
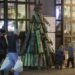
{"x":59,"y":57}
{"x":12,"y":53}
{"x":70,"y":55}
{"x":3,"y":46}
{"x":12,"y":50}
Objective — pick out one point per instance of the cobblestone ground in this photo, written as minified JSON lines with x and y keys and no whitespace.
{"x":69,"y":71}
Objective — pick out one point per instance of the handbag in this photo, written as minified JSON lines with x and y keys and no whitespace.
{"x":18,"y":65}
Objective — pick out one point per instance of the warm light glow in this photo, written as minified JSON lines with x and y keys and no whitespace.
{"x":11,"y":26}
{"x":1,"y":24}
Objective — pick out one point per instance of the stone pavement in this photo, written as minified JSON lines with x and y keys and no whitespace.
{"x":68,"y":71}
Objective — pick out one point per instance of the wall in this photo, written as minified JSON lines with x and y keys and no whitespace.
{"x":48,"y":8}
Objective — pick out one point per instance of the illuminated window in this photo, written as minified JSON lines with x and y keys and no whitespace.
{"x":58,"y":12}
{"x":67,"y":1}
{"x":11,"y":11}
{"x":1,"y":10}
{"x":58,"y":1}
{"x":16,"y":11}
{"x":59,"y":24}
{"x":21,"y":11}
{"x":1,"y":24}
{"x":69,"y":20}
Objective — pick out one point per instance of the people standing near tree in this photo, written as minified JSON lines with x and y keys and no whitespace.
{"x":70,"y":55}
{"x":59,"y":57}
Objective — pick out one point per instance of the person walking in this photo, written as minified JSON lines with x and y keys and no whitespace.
{"x":59,"y":57}
{"x":70,"y":55}
{"x":12,"y":53}
{"x":3,"y":47}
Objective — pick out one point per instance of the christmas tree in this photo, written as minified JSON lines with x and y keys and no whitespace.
{"x":37,"y":51}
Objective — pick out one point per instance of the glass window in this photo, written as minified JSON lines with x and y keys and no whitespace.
{"x":73,"y":1}
{"x":73,"y":28}
{"x":21,"y":26}
{"x":73,"y":41}
{"x":1,"y":10}
{"x":28,"y":10}
{"x":58,"y":1}
{"x":67,"y":1}
{"x":58,"y":12}
{"x":67,"y":40}
{"x":31,"y":10}
{"x":11,"y":11}
{"x":58,"y":25}
{"x":66,"y":11}
{"x":28,"y":24}
{"x":1,"y":24}
{"x":21,"y":11}
{"x":73,"y":12}
{"x":67,"y":27}
{"x":58,"y":41}
{"x":11,"y":26}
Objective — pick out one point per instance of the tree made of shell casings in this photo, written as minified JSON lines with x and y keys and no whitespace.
{"x":37,"y":50}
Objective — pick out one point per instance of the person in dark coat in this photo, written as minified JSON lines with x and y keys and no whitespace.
{"x":59,"y":57}
{"x":70,"y":55}
{"x":3,"y":46}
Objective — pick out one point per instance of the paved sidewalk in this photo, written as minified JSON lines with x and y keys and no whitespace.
{"x":69,"y":71}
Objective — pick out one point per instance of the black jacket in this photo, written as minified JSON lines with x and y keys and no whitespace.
{"x":3,"y":45}
{"x":12,"y":39}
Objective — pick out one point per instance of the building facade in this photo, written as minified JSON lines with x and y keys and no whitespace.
{"x":20,"y":13}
